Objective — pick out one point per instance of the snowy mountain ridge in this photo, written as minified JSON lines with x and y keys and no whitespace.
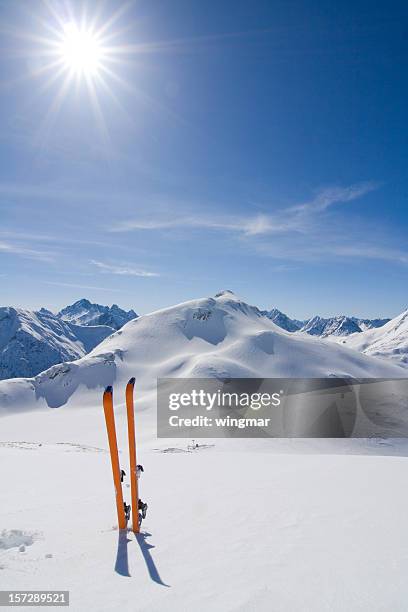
{"x":334,"y":326}
{"x":220,"y":337}
{"x":31,"y":342}
{"x":281,"y":319}
{"x":387,"y":342}
{"x":339,"y":325}
{"x":44,"y":339}
{"x":84,"y":312}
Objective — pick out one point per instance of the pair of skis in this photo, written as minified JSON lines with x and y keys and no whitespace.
{"x":113,"y":447}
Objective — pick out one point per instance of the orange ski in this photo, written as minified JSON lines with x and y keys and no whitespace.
{"x":132,"y":455}
{"x":113,"y":447}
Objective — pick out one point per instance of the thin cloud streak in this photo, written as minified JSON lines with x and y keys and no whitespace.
{"x":55,"y":193}
{"x":260,"y":224}
{"x":335,"y":195}
{"x":13,"y":249}
{"x":296,"y":218}
{"x":47,"y":238}
{"x":86,"y":287}
{"x":301,"y":232}
{"x":373,"y":252}
{"x":331,"y":251}
{"x":124,"y":270}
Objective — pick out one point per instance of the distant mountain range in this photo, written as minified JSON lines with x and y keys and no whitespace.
{"x":84,"y":312}
{"x":319,"y":326}
{"x":219,"y":336}
{"x":31,"y":342}
{"x":389,"y":341}
{"x":279,"y":318}
{"x":383,"y":338}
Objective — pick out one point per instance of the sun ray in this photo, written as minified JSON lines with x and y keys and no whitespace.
{"x":97,"y":13}
{"x":52,"y":113}
{"x":146,"y":99}
{"x":86,"y":51}
{"x":56,"y":14}
{"x":33,"y":73}
{"x":108,"y":90}
{"x":114,"y":18}
{"x":116,"y":34}
{"x":98,"y":112}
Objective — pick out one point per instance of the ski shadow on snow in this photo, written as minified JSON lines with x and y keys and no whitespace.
{"x":145,"y":547}
{"x":122,"y":559}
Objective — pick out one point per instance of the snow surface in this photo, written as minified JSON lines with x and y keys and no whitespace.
{"x":238,"y":524}
{"x":242,"y":525}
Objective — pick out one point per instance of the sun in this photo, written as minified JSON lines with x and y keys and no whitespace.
{"x":80,"y":50}
{"x":78,"y":57}
{"x":82,"y":55}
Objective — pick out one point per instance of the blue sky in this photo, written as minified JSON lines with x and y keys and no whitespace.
{"x":256,"y":146}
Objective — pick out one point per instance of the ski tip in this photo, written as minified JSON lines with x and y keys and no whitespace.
{"x":132,"y":381}
{"x":109,"y":389}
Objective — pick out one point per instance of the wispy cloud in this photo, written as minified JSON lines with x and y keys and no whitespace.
{"x":78,"y":286}
{"x":60,"y":192}
{"x":56,"y":238}
{"x":46,"y":191}
{"x":319,"y":249}
{"x":15,"y":249}
{"x":334,"y":195}
{"x":252,"y":226}
{"x":301,"y":232}
{"x":370,"y":251}
{"x":295,"y":218}
{"x":122,"y":270}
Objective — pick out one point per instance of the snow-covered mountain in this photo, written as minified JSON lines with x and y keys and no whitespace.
{"x":57,"y":503}
{"x":282,"y":320}
{"x":83,"y":312}
{"x":334,"y":326}
{"x":388,"y":342}
{"x":31,"y":342}
{"x":369,"y":323}
{"x":210,"y":337}
{"x":323,"y":327}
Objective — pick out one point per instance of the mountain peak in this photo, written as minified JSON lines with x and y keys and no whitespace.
{"x":84,"y":312}
{"x":82,"y":302}
{"x":226,"y":293}
{"x":282,"y":320}
{"x":32,"y":341}
{"x":202,"y":338}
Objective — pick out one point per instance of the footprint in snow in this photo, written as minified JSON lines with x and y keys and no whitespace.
{"x":16,"y":538}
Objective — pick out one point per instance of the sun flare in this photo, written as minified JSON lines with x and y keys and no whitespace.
{"x":80,"y":50}
{"x":79,"y":58}
{"x":82,"y":58}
